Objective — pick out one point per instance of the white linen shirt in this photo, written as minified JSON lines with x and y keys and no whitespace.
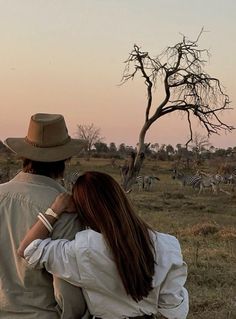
{"x":87,"y":262}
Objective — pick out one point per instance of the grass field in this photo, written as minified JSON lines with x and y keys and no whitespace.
{"x":206,"y":228}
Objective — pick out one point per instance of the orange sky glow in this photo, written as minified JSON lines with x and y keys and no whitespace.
{"x":67,"y":57}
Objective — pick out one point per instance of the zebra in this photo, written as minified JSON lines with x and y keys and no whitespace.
{"x":212,"y":181}
{"x":140,"y":182}
{"x":69,"y":179}
{"x":207,"y":182}
{"x":145,"y":182}
{"x":186,"y":180}
{"x":149,"y":182}
{"x":232,"y":177}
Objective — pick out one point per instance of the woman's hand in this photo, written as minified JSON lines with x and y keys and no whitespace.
{"x":63,"y":203}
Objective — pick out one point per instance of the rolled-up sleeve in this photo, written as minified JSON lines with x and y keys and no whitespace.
{"x":173,"y":300}
{"x":57,"y":256}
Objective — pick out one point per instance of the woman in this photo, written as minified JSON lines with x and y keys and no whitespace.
{"x":125,"y":268}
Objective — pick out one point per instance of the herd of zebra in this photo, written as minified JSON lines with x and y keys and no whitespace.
{"x":198,"y":181}
{"x":143,"y":182}
{"x":202,"y":180}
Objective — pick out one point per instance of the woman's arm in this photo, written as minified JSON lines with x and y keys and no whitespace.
{"x":173,"y":300}
{"x":62,"y":203}
{"x":56,"y":256}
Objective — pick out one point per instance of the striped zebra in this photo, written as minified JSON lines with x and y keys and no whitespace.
{"x":145,"y":182}
{"x":211,"y":181}
{"x":232,"y":177}
{"x":69,"y":179}
{"x":185,"y":179}
{"x":199,"y":181}
{"x":207,"y":182}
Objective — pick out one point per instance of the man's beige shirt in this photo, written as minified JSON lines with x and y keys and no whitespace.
{"x":27,"y":293}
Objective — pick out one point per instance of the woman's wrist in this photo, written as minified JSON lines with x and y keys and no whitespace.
{"x":48,"y":218}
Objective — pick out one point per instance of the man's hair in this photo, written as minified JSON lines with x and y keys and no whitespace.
{"x":103,"y":206}
{"x":49,"y":169}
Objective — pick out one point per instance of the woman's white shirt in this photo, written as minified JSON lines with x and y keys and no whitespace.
{"x":87,"y":262}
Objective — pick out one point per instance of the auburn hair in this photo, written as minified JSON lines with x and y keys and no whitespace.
{"x":104,"y":207}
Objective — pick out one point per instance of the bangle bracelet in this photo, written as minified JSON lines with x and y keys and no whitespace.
{"x":50,"y":212}
{"x":46,"y":223}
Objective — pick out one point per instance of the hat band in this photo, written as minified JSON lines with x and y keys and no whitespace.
{"x":47,"y":145}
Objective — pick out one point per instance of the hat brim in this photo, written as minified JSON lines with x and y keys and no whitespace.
{"x":44,"y":154}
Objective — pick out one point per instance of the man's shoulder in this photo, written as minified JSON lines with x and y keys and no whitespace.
{"x":67,"y":226}
{"x":37,"y":189}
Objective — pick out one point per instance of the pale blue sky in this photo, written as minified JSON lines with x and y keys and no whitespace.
{"x":67,"y":57}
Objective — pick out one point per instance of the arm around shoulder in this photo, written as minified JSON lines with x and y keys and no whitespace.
{"x":58,"y":257}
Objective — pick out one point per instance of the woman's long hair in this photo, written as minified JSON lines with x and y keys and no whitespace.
{"x":104,"y":207}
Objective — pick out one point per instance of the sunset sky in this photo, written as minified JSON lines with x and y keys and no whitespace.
{"x":67,"y":56}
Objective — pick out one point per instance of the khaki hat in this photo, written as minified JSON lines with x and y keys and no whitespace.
{"x":47,"y":140}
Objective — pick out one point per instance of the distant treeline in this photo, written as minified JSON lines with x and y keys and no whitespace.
{"x":155,"y":151}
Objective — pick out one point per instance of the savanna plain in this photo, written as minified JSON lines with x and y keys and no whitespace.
{"x":205,"y":225}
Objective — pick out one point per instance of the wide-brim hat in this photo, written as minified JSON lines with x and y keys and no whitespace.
{"x":47,"y":140}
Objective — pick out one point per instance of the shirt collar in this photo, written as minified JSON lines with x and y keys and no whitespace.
{"x":38,"y":179}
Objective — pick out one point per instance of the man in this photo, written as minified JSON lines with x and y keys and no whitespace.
{"x":27,"y":293}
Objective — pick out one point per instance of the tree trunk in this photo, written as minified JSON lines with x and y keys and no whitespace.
{"x":131,"y":169}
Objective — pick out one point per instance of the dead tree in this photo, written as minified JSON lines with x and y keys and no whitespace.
{"x":90,"y":135}
{"x":186,"y":87}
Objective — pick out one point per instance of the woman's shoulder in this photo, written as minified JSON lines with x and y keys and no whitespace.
{"x":91,"y":246}
{"x":168,"y":250}
{"x":89,"y":238}
{"x":168,"y":241}
{"x":165,"y":243}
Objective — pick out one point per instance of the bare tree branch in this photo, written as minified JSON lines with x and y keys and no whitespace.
{"x":187,"y":88}
{"x":89,"y":134}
